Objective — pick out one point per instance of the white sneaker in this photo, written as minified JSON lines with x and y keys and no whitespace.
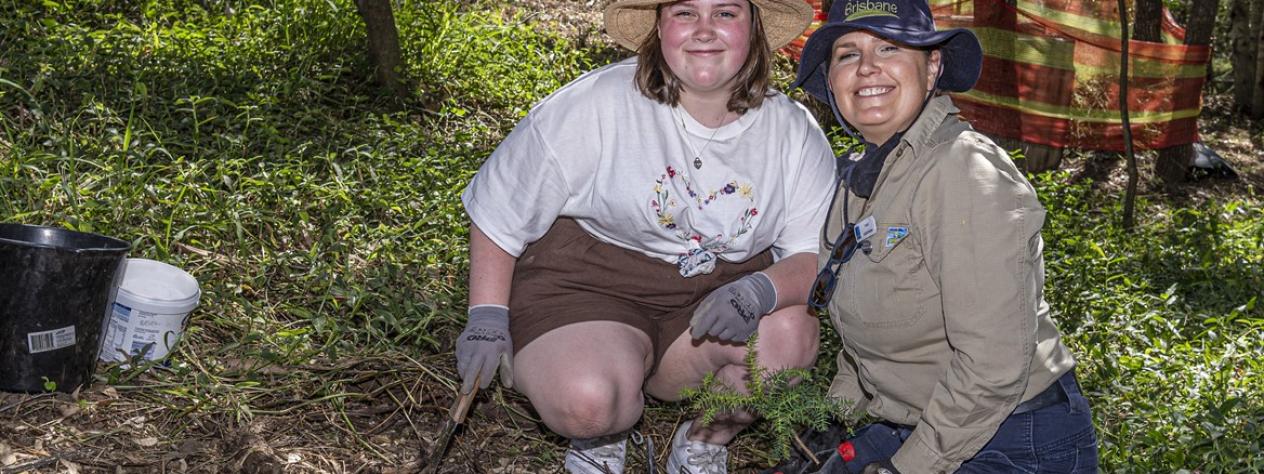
{"x":602,"y":455}
{"x":696,"y":457}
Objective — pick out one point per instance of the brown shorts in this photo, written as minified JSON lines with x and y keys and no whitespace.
{"x":569,"y":276}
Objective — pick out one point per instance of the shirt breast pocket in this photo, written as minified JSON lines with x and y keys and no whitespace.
{"x":891,"y":293}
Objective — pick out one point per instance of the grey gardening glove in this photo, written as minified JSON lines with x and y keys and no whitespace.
{"x":482,"y":345}
{"x":732,"y":311}
{"x":881,"y":467}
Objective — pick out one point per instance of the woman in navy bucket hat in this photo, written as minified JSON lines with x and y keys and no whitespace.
{"x":908,"y":22}
{"x":931,"y":265}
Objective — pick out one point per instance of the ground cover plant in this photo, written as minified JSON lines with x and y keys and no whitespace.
{"x":245,"y":142}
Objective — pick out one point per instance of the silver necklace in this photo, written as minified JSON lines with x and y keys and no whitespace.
{"x":697,"y":154}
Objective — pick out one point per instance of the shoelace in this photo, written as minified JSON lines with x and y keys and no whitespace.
{"x":599,"y":457}
{"x":645,"y":441}
{"x":707,"y":460}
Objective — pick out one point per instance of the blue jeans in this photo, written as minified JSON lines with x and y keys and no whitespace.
{"x":1057,"y":438}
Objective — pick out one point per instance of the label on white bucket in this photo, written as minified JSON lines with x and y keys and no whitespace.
{"x":45,"y":341}
{"x":134,"y":332}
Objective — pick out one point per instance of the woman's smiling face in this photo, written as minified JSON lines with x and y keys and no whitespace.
{"x":705,"y":42}
{"x":880,"y":85}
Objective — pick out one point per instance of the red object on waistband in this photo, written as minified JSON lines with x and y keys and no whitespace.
{"x":847,"y":451}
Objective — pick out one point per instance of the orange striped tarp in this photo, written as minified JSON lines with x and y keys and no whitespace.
{"x":1051,"y":74}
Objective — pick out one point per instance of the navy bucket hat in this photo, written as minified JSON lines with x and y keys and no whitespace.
{"x":907,"y":22}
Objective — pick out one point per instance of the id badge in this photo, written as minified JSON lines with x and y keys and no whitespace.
{"x":865,"y":228}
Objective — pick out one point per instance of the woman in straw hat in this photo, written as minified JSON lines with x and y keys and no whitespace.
{"x":932,"y":268}
{"x":642,"y":222}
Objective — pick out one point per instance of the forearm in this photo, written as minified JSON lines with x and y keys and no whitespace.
{"x":792,"y":277}
{"x":485,"y":344}
{"x":981,"y":250}
{"x":491,"y":270}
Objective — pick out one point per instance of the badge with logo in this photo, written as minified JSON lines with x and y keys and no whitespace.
{"x":895,"y":234}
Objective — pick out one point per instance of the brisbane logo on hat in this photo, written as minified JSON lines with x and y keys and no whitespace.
{"x":865,"y":9}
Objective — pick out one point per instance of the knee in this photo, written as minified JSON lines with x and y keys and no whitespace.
{"x":789,"y":338}
{"x":589,"y":407}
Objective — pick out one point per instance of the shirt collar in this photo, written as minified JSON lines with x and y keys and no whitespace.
{"x":937,"y":110}
{"x":724,"y":132}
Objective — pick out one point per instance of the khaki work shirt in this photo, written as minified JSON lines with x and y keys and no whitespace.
{"x":944,"y":322}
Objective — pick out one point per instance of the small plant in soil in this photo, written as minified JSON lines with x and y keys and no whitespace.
{"x":784,"y":399}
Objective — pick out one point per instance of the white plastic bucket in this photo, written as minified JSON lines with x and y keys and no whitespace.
{"x":149,"y":315}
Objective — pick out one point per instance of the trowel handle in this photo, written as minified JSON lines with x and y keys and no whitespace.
{"x":462,"y":405}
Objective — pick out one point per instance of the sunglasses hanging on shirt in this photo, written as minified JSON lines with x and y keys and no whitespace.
{"x":842,"y":249}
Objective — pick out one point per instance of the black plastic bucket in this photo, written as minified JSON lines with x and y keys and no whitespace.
{"x":56,"y":289}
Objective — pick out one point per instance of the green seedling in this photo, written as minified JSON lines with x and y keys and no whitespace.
{"x":49,"y":385}
{"x":786,"y":401}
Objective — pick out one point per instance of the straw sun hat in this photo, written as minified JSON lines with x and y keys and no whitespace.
{"x":628,"y":22}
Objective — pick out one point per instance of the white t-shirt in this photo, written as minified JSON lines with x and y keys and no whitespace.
{"x":622,"y":166}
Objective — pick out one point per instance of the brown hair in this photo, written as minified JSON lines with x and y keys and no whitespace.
{"x":656,"y":80}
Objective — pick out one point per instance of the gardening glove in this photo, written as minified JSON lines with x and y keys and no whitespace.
{"x":731,"y":312}
{"x":484,"y":343}
{"x":880,"y":467}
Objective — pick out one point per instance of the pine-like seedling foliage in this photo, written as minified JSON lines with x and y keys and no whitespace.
{"x":784,"y":399}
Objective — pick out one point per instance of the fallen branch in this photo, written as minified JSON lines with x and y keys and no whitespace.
{"x":29,"y":465}
{"x":806,"y":452}
{"x":207,"y":254}
{"x":23,"y":401}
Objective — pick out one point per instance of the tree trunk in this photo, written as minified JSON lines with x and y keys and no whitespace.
{"x":384,"y":50}
{"x":1244,"y":54}
{"x":1130,"y":194}
{"x":1202,"y":23}
{"x":1173,"y":163}
{"x":1147,"y":25}
{"x":1257,"y":107}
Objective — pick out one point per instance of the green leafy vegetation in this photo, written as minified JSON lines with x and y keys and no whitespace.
{"x":1166,"y":323}
{"x":786,"y":400}
{"x":243,"y":141}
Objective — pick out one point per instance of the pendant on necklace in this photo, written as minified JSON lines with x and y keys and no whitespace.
{"x":697,"y":162}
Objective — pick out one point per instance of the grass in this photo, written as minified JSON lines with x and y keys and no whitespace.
{"x":1167,"y":325}
{"x":243,"y":141}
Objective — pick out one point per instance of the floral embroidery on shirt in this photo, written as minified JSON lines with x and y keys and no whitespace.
{"x":700,"y":255}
